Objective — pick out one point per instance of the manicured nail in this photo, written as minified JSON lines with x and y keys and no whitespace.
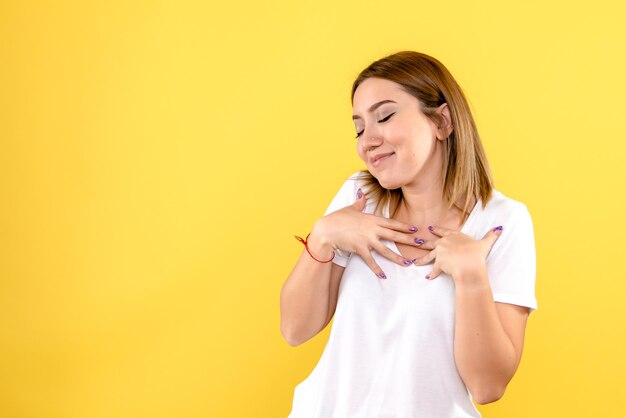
{"x":413,"y":229}
{"x":414,"y":260}
{"x":359,"y":193}
{"x":430,"y":228}
{"x":497,"y":228}
{"x":419,"y":241}
{"x":427,"y":277}
{"x":382,"y":275}
{"x":407,"y":262}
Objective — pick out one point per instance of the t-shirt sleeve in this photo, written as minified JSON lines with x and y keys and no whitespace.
{"x":511,"y":264}
{"x":344,"y":197}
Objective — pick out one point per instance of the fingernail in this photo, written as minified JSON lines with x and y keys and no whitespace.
{"x":414,"y":260}
{"x":413,"y":229}
{"x":419,"y":241}
{"x":359,"y":193}
{"x":382,"y":275}
{"x":407,"y":262}
{"x":430,"y":228}
{"x":497,"y":228}
{"x":427,"y":277}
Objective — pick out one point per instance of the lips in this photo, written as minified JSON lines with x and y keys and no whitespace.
{"x":377,"y":159}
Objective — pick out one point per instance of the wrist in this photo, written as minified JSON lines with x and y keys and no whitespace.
{"x":319,"y":247}
{"x":474,"y":278}
{"x":320,"y":234}
{"x":318,"y":242}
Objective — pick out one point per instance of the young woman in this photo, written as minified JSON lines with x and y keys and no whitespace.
{"x":432,"y":276}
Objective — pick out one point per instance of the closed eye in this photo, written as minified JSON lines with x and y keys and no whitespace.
{"x":385,"y":119}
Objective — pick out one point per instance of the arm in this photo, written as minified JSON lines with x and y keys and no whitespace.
{"x":488,"y":340}
{"x":309,"y":295}
{"x":489,"y":336}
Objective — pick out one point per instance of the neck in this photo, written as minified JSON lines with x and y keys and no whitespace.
{"x":423,"y":205}
{"x":422,"y":199}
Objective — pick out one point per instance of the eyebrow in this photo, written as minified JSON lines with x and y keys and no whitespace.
{"x":374,"y":107}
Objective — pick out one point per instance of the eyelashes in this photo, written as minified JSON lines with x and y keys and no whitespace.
{"x":385,"y":119}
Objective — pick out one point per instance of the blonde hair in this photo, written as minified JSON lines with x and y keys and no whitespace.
{"x":466,"y":170}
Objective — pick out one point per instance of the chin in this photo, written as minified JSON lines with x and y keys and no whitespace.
{"x":388,"y":184}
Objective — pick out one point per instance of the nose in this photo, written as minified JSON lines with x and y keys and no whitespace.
{"x":370,"y":140}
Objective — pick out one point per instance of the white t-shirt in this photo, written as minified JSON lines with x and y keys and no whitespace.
{"x":390,"y":352}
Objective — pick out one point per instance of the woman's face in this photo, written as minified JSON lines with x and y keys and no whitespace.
{"x":397,"y":142}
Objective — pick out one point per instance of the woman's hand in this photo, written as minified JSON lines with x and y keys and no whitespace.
{"x":457,"y":254}
{"x":351,"y":230}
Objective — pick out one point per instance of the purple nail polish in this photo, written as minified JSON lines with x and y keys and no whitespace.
{"x":414,"y":260}
{"x":427,"y":277}
{"x":413,"y":229}
{"x":430,"y":228}
{"x":382,"y":275}
{"x":497,"y":228}
{"x":407,"y":262}
{"x":359,"y":193}
{"x":419,"y":241}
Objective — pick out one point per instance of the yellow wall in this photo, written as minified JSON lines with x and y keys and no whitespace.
{"x":157,"y":157}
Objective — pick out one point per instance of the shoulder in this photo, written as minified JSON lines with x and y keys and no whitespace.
{"x":499,"y":210}
{"x":348,"y":189}
{"x":503,"y":207}
{"x":518,"y":234}
{"x":511,"y":262}
{"x":354,"y":181}
{"x":346,"y":195}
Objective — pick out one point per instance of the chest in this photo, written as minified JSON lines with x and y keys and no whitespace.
{"x":451,"y":220}
{"x":410,"y":252}
{"x":405,"y":306}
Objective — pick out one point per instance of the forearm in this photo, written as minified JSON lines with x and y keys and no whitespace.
{"x":304,"y":297}
{"x":484,"y":354}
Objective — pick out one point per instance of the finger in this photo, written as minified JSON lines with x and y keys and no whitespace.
{"x":422,"y":261}
{"x":492,"y":236}
{"x":369,"y":260}
{"x":397,"y":225}
{"x":391,"y":255}
{"x":434,"y":273}
{"x":429,"y":244}
{"x":440,"y":230}
{"x":400,"y":237}
{"x":359,"y":203}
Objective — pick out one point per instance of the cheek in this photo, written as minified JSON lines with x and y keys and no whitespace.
{"x":359,"y":150}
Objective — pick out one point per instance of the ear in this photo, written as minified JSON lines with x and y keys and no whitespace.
{"x":445,"y":129}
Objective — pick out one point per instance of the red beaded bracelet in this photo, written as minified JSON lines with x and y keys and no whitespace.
{"x":304,"y":241}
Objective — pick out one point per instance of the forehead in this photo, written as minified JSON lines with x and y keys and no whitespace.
{"x":373,"y":90}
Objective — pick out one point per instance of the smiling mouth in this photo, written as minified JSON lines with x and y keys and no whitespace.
{"x":378,"y":161}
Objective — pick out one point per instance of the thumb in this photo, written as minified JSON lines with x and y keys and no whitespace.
{"x":492,"y":236}
{"x":359,"y":204}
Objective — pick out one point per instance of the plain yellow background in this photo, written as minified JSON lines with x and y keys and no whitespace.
{"x":157,"y":158}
